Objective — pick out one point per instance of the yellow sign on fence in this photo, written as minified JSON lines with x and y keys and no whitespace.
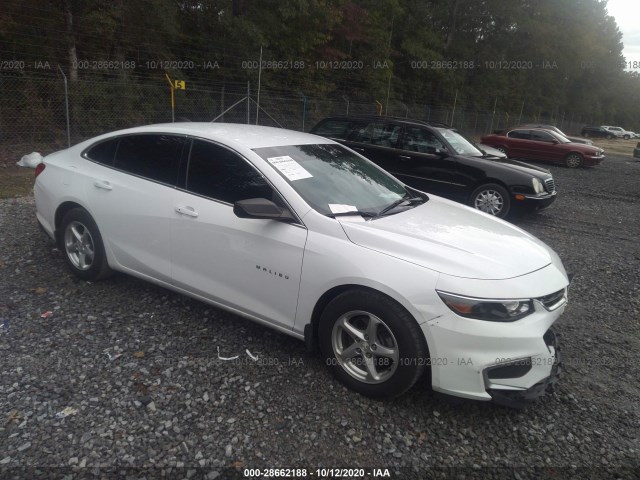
{"x":180,"y":85}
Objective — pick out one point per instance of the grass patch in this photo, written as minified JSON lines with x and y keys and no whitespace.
{"x":15,"y":181}
{"x":621,"y":147}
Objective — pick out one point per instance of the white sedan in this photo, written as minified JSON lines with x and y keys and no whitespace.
{"x":306,"y":236}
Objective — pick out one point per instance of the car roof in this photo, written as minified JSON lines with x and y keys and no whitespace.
{"x":233,"y":134}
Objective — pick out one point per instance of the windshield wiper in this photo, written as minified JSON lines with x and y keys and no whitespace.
{"x":353,"y":212}
{"x":406,"y":199}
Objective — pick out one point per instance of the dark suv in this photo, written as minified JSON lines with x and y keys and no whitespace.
{"x":597,"y":132}
{"x":436,"y":158}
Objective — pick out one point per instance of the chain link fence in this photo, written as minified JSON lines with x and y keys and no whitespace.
{"x":33,"y":112}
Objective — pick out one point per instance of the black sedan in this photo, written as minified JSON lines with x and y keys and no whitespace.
{"x":437,"y":159}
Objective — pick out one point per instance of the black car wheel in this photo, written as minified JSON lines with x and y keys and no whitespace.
{"x":585,"y":134}
{"x":609,"y":136}
{"x":627,"y":137}
{"x":491,"y":198}
{"x":372,"y":344}
{"x":573,"y":160}
{"x":83,"y":247}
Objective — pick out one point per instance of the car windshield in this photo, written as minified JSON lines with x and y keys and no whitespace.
{"x":461,"y":145}
{"x":333,"y":180}
{"x":561,"y":138}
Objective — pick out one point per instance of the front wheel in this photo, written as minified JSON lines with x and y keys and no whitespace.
{"x":585,"y":134}
{"x":609,"y":137}
{"x":573,"y":160}
{"x":491,"y":198}
{"x":372,"y":344}
{"x":83,"y":247}
{"x":627,"y":137}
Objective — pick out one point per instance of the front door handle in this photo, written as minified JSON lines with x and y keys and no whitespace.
{"x":103,"y":184}
{"x":404,"y":157}
{"x":358,"y":149}
{"x":188,"y":211}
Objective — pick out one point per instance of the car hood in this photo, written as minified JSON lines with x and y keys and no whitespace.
{"x":521,"y":166}
{"x":512,"y":165}
{"x":452,"y":239}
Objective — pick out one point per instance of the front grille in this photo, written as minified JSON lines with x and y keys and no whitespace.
{"x":553,"y":300}
{"x":550,"y":185}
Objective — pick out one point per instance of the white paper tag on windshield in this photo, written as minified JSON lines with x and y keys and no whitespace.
{"x":338,"y":208}
{"x":289,"y":168}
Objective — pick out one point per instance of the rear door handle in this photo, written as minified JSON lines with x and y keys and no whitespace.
{"x":103,"y":184}
{"x":188,"y":211}
{"x":404,"y":157}
{"x":358,"y":149}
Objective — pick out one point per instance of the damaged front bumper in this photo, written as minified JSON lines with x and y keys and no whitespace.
{"x":522,"y":398}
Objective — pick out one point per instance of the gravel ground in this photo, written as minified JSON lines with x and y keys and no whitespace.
{"x":123,"y":378}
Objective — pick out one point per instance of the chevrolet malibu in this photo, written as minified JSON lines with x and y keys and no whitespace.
{"x":304,"y":235}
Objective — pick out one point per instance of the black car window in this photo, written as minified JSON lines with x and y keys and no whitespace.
{"x":421,"y":140}
{"x":521,"y":134}
{"x":362,"y":132}
{"x":386,"y":134}
{"x":103,"y":152}
{"x":221,"y":174}
{"x":153,"y":156}
{"x":541,"y":137}
{"x":333,"y":128}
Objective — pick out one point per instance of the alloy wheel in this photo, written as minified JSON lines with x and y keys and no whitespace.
{"x":365,"y":347}
{"x":79,"y":245}
{"x":489,"y":201}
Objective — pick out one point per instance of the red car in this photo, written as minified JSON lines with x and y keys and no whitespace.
{"x":544,"y":145}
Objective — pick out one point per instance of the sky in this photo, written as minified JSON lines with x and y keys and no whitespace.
{"x":627,"y":13}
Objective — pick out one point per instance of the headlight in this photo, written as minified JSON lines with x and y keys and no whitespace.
{"x":537,"y":186}
{"x":488,"y":309}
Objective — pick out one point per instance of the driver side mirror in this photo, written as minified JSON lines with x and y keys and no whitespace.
{"x":261,"y":208}
{"x":441,"y":152}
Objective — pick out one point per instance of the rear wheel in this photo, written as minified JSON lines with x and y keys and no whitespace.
{"x":491,"y":198}
{"x":573,"y":160}
{"x":372,"y":344}
{"x":83,"y":247}
{"x":585,"y":134}
{"x":609,"y":137}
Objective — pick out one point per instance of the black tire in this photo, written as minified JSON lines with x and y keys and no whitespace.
{"x":82,"y":246}
{"x":573,"y":160}
{"x":627,"y":137}
{"x":609,"y":137}
{"x":396,"y":356}
{"x":585,"y":134}
{"x":491,"y":198}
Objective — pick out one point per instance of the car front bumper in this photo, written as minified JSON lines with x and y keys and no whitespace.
{"x":521,"y":398}
{"x":535,"y":202}
{"x":505,"y":362}
{"x":590,"y":161}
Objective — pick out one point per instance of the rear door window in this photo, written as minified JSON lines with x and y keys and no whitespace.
{"x":152,"y":156}
{"x":103,"y":152}
{"x":334,"y":129}
{"x":520,"y":134}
